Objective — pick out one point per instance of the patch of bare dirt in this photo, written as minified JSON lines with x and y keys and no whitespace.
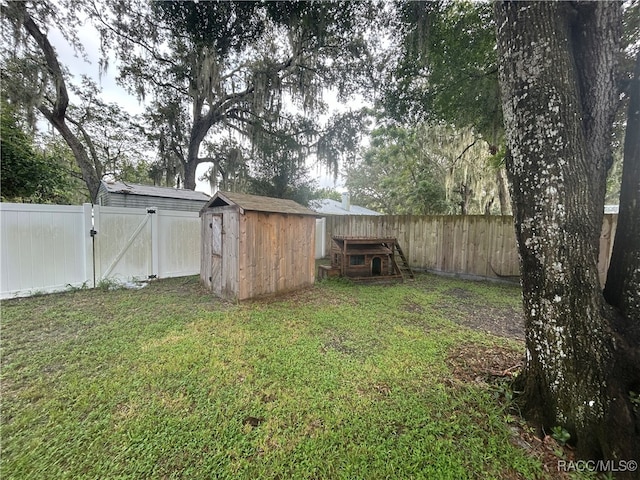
{"x":465,"y":308}
{"x":179,"y":285}
{"x":460,"y":293}
{"x":348,"y":344}
{"x":478,"y":363}
{"x":303,"y":297}
{"x":412,"y":307}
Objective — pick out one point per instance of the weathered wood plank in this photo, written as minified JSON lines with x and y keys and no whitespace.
{"x":607,"y":236}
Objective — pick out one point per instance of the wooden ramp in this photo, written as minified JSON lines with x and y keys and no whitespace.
{"x":404,"y":267}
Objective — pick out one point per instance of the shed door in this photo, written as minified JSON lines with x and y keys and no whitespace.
{"x":216,"y":254}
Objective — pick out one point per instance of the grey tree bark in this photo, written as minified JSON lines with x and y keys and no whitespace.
{"x":559,"y":97}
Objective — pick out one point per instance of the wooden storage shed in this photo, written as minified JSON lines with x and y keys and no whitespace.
{"x":133,"y":195}
{"x":254,"y":245}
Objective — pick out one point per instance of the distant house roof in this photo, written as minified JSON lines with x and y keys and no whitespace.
{"x":326,"y":206}
{"x":149,"y":191}
{"x":611,"y":208}
{"x":257,"y":203}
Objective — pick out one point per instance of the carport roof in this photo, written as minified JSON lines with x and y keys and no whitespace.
{"x":127,"y":188}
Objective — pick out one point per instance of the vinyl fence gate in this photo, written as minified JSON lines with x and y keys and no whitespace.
{"x":47,"y":248}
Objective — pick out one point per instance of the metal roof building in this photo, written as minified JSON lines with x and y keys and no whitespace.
{"x":327,"y":206}
{"x":132,"y":195}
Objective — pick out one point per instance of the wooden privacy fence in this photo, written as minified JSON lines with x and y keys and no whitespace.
{"x":476,"y":245}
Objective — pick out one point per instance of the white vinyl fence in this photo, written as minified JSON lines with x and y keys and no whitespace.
{"x":47,"y":248}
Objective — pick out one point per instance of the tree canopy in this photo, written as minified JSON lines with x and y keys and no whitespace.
{"x":257,"y":69}
{"x":443,"y":71}
{"x":241,"y":76}
{"x":38,"y":80}
{"x":428,"y":169}
{"x":249,"y":73}
{"x":27,"y":173}
{"x":445,"y":68}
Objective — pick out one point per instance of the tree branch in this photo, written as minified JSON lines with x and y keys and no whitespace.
{"x":464,"y":151}
{"x":120,"y":33}
{"x":89,"y":142}
{"x":53,"y":66}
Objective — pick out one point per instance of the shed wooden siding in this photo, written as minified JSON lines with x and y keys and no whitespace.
{"x":276,"y":253}
{"x":471,"y":244}
{"x":262,"y":253}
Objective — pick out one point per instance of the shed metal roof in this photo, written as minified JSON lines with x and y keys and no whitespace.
{"x":257,"y":203}
{"x":126,"y":188}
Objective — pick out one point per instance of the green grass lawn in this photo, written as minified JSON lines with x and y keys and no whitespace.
{"x":339,"y":381}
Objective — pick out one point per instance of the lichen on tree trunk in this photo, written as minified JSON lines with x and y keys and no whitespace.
{"x":559,"y":96}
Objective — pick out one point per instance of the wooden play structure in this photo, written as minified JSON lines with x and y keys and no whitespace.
{"x":366,"y":259}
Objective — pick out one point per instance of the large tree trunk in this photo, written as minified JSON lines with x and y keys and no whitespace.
{"x":190,"y":167}
{"x":557,"y":75}
{"x":201,"y":126}
{"x":503,"y":192}
{"x":90,"y":174}
{"x":623,"y":277}
{"x":57,"y":115}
